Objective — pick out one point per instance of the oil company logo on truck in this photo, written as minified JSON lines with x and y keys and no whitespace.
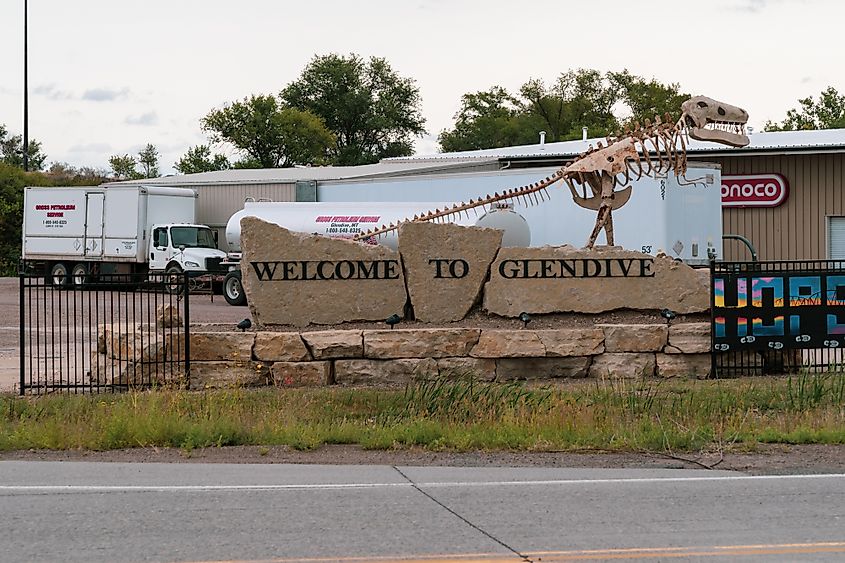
{"x":54,"y":213}
{"x":345,"y":226}
{"x":754,"y":190}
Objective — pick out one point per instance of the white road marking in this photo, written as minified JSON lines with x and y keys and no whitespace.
{"x":444,"y":484}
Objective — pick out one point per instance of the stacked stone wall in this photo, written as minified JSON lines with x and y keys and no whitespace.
{"x":396,"y":357}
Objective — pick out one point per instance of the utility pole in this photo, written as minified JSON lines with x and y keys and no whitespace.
{"x":25,"y":95}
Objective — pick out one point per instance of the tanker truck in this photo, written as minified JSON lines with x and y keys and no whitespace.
{"x":345,"y":220}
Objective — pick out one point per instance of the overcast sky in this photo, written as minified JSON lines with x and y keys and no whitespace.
{"x":107,"y":76}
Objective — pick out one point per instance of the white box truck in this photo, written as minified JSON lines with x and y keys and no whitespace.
{"x":73,"y":235}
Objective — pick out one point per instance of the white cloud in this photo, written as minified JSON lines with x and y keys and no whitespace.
{"x":146,"y":119}
{"x":51,"y":92}
{"x":105,"y":95}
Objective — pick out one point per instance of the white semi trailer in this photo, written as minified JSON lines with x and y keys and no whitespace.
{"x":75,"y":234}
{"x":679,"y":216}
{"x":345,"y":220}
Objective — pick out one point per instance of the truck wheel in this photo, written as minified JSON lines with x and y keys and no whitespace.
{"x":233,"y":291}
{"x":79,"y":275}
{"x":58,"y":275}
{"x":173,"y":279}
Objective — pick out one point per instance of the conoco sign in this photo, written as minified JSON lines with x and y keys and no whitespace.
{"x":754,"y":190}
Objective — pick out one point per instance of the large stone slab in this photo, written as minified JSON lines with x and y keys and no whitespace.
{"x":300,"y":279}
{"x":301,"y":374}
{"x":211,"y":375}
{"x":541,"y":368}
{"x":483,"y":369}
{"x":501,"y":343}
{"x":419,"y":343}
{"x":684,"y":365}
{"x":334,"y":344}
{"x":383,"y":372}
{"x":623,"y":365}
{"x":634,"y":337}
{"x":565,"y":279}
{"x":565,"y":342}
{"x":220,"y":346}
{"x":689,"y":338}
{"x":280,"y":347}
{"x":446,"y":266}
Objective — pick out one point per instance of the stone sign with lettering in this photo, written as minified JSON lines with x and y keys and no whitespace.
{"x":446,"y":266}
{"x":565,"y":279}
{"x":300,"y":279}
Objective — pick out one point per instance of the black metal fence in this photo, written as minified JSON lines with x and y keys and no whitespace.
{"x":118,"y":332}
{"x":777,"y":317}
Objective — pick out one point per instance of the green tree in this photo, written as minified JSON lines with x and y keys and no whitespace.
{"x":269,"y":134}
{"x":826,"y":113}
{"x":199,"y":159}
{"x":123,"y":167}
{"x":491,"y":118}
{"x":11,"y":151}
{"x":647,"y":98}
{"x":373,"y":112}
{"x":578,"y":98}
{"x":64,"y":174}
{"x":12,"y":182}
{"x":148,"y":159}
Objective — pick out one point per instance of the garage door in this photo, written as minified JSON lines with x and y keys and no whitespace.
{"x":836,"y":238}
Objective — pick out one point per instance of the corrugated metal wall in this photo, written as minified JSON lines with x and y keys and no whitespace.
{"x":216,"y":203}
{"x":795,"y":230}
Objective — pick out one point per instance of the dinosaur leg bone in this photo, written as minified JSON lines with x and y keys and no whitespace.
{"x":604,"y":219}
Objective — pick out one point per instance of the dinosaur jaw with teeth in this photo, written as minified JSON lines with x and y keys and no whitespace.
{"x":710,"y":120}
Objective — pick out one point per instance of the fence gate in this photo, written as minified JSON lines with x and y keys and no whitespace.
{"x":111,"y":333}
{"x":777,"y":317}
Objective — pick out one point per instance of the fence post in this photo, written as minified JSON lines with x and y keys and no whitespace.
{"x":713,"y":369}
{"x":22,"y":303}
{"x":186,"y":293}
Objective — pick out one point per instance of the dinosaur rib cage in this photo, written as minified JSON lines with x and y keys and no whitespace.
{"x":660,"y":148}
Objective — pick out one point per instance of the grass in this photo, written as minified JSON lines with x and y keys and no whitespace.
{"x":462,"y":414}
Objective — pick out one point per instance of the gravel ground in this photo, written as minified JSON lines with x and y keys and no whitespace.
{"x":765,"y":459}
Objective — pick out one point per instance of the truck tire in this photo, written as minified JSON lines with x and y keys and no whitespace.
{"x":233,"y":291}
{"x":79,"y":276}
{"x":173,"y":279}
{"x":58,"y":275}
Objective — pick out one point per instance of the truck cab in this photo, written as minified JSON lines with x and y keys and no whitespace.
{"x":185,"y":247}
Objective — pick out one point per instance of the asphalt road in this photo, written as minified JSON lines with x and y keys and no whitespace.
{"x":80,"y":511}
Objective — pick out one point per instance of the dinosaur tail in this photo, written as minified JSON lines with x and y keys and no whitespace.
{"x":531,"y":194}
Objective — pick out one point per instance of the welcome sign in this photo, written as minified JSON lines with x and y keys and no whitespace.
{"x":442,"y":271}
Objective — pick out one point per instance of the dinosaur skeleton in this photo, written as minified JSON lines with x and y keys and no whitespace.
{"x":653,"y":149}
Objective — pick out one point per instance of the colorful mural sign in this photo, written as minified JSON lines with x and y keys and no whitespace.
{"x":763,"y":307}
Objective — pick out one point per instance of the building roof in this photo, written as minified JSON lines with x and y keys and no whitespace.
{"x":319,"y":173}
{"x":823,"y":140}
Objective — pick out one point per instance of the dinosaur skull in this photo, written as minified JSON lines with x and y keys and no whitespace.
{"x":709,"y":120}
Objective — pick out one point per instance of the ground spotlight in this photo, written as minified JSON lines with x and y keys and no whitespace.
{"x":668,"y":314}
{"x":525,"y":318}
{"x":244,"y":324}
{"x":392,"y":320}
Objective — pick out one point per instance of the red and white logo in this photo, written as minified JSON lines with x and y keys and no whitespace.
{"x":754,"y":190}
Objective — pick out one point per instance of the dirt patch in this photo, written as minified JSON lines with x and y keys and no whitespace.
{"x":765,"y":459}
